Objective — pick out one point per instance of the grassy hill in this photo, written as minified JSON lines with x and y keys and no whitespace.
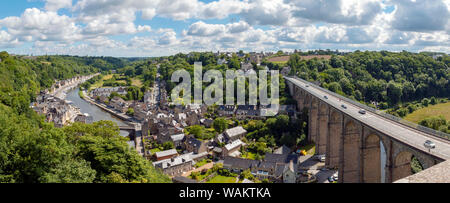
{"x":431,"y":111}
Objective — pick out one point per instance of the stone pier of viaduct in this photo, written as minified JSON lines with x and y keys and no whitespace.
{"x":353,"y":147}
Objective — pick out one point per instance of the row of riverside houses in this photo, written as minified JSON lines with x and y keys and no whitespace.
{"x":52,"y":105}
{"x":252,"y":111}
{"x":58,"y":111}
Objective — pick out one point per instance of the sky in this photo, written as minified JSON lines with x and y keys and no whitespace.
{"x":146,"y":28}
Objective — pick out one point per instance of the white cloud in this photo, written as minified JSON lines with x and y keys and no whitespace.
{"x":54,"y":5}
{"x":351,"y":12}
{"x":421,"y":16}
{"x":238,"y":27}
{"x":35,"y":24}
{"x":168,"y":38}
{"x":203,"y":29}
{"x":262,"y":12}
{"x":253,"y":25}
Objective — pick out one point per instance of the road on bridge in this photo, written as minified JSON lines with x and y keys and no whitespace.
{"x":400,"y":132}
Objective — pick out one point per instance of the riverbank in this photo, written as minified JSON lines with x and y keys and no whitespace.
{"x":61,"y":91}
{"x":121,"y":116}
{"x":97,"y":114}
{"x":55,"y":107}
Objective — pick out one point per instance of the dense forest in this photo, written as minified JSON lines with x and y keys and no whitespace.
{"x":32,"y":151}
{"x":384,"y":78}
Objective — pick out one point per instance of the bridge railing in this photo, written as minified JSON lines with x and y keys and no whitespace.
{"x":383,"y":114}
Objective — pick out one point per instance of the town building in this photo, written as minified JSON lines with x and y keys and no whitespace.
{"x":234,"y":134}
{"x":165,"y":154}
{"x":178,"y":140}
{"x":247,"y":112}
{"x":182,"y":179}
{"x":175,"y":166}
{"x":119,"y":104}
{"x":232,"y":149}
{"x":84,"y":118}
{"x":274,"y":167}
{"x":226,"y":110}
{"x":107,"y":91}
{"x":195,"y":145}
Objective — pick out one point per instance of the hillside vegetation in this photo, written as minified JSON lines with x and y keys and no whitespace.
{"x":384,"y":78}
{"x":33,"y":151}
{"x":431,"y":111}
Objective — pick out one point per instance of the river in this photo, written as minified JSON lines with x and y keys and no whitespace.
{"x":97,"y":113}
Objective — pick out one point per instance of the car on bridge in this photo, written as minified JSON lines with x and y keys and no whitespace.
{"x":306,"y":85}
{"x":429,"y":144}
{"x":362,"y":111}
{"x":343,"y":106}
{"x":326,"y":97}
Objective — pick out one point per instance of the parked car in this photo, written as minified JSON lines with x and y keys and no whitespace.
{"x":331,"y":179}
{"x":362,"y":111}
{"x":429,"y":144}
{"x":321,"y":158}
{"x":335,"y":177}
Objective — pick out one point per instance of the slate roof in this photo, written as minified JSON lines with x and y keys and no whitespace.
{"x":283,"y":150}
{"x":166,"y":163}
{"x":238,"y":162}
{"x":178,"y":137}
{"x":182,"y":179}
{"x":166,"y":153}
{"x":235,"y":131}
{"x":194,"y":142}
{"x":233,"y":145}
{"x":281,"y":158}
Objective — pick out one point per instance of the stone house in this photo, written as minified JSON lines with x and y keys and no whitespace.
{"x":232,"y":149}
{"x":226,"y":110}
{"x":175,"y":166}
{"x":165,"y":154}
{"x":234,"y":134}
{"x":275,"y":167}
{"x":84,"y":118}
{"x":119,"y":104}
{"x":195,"y":145}
{"x":247,"y":112}
{"x":206,"y":122}
{"x":178,"y":140}
{"x":106,"y":91}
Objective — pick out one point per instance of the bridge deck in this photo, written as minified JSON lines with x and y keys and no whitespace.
{"x":398,"y":131}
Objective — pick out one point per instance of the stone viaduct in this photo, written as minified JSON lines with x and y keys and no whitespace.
{"x":352,"y":146}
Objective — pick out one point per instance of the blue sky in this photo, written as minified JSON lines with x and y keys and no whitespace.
{"x":160,"y":27}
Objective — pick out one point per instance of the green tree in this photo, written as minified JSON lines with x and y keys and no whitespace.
{"x":220,"y":124}
{"x":168,"y":145}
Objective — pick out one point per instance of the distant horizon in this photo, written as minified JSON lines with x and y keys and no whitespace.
{"x":303,"y":51}
{"x":155,"y":28}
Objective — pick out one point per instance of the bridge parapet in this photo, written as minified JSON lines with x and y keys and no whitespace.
{"x":415,"y":126}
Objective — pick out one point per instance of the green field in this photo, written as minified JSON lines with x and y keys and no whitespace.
{"x":222,"y":179}
{"x":136,"y":82}
{"x":431,"y":111}
{"x":99,"y":83}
